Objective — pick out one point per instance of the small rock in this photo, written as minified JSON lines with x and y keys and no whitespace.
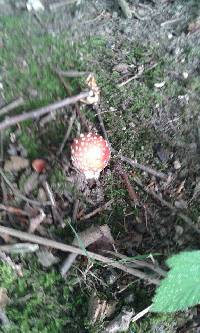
{"x":177,"y":165}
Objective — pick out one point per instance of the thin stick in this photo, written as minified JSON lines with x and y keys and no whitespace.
{"x":167,"y":204}
{"x":141,"y":314}
{"x":139,"y":263}
{"x":139,"y":74}
{"x":21,"y":196}
{"x":96,"y":211}
{"x":44,"y":110}
{"x":71,"y":121}
{"x":140,"y":166}
{"x":101,"y":123}
{"x":72,"y":73}
{"x":82,"y":118}
{"x":13,"y":210}
{"x":132,"y":194}
{"x":11,"y":106}
{"x":69,"y":248}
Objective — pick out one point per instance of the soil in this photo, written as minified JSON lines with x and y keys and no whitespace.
{"x":153,"y":119}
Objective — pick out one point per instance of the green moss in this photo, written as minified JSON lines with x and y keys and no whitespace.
{"x":41,"y":301}
{"x":155,"y":323}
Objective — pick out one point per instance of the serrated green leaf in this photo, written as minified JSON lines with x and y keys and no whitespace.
{"x":181,"y":288}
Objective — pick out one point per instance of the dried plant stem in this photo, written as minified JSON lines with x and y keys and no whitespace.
{"x":44,"y":110}
{"x":69,"y":248}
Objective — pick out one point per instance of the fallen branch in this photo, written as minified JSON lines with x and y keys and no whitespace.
{"x":11,"y":106}
{"x":69,"y":248}
{"x":44,"y":110}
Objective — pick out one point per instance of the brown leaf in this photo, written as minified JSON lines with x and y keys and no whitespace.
{"x":16,"y":163}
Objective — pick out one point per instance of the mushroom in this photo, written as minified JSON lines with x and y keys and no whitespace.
{"x":90,"y":154}
{"x":39,"y":165}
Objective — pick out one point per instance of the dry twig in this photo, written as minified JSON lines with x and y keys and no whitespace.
{"x":140,"y":166}
{"x":96,"y":211}
{"x":11,"y":106}
{"x":167,"y":204}
{"x":132,"y":194}
{"x":35,"y":114}
{"x":69,"y":248}
{"x":69,"y":129}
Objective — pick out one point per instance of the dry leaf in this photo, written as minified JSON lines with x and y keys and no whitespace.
{"x":121,"y":323}
{"x":46,"y":258}
{"x":16,"y":163}
{"x":31,"y":183}
{"x":4,"y":299}
{"x":99,"y":309}
{"x":95,"y":91}
{"x":36,"y":221}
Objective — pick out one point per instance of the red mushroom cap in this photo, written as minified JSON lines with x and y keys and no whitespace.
{"x":39,"y":165}
{"x":90,"y":154}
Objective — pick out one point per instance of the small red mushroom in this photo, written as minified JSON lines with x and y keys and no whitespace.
{"x":39,"y":165}
{"x":90,"y":154}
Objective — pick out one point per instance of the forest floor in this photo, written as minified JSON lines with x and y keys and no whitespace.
{"x":147,"y":69}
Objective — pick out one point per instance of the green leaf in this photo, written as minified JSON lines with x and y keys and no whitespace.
{"x":181,"y":288}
